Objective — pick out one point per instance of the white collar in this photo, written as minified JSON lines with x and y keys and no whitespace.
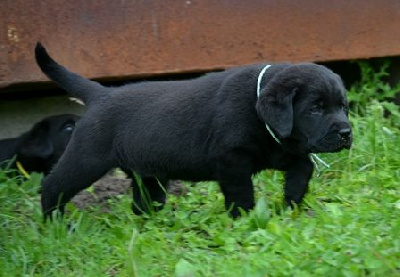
{"x":260,"y":76}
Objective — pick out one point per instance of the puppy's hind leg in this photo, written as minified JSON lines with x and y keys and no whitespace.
{"x":149,"y":194}
{"x":77,"y":169}
{"x":234,"y":176}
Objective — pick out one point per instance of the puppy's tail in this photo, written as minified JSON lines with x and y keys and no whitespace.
{"x":77,"y":86}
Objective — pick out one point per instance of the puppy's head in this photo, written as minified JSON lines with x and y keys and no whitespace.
{"x":306,"y":106}
{"x":43,"y":145}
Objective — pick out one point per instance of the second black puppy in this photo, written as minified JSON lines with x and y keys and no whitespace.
{"x":39,"y":148}
{"x":210,"y":128}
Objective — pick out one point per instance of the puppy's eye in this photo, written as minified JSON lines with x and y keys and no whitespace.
{"x":69,"y":127}
{"x":317,"y":108}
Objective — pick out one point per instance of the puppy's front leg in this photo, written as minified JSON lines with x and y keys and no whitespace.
{"x":234,"y":176}
{"x":296,"y":180}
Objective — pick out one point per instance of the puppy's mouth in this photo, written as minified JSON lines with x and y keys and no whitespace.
{"x":332,"y":144}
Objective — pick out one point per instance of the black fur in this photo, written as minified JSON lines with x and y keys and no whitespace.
{"x":210,"y":128}
{"x":39,"y":148}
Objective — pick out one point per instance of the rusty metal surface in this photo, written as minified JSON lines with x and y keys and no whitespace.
{"x":129,"y":39}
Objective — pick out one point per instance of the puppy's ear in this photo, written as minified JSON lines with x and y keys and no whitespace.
{"x":36,"y":144}
{"x":275,"y":108}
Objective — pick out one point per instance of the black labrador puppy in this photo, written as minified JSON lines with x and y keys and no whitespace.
{"x":209,"y":128}
{"x":41,"y":147}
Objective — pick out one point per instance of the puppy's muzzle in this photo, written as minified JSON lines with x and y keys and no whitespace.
{"x":337,"y":139}
{"x":345,"y":137}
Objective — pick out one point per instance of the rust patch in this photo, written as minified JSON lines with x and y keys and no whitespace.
{"x":129,"y":39}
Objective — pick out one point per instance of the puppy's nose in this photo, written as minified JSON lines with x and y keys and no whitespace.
{"x":345,"y":133}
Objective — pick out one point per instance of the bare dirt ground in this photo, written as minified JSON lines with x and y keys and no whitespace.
{"x":110,"y":187}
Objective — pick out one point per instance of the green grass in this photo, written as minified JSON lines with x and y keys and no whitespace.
{"x":348,"y":226}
